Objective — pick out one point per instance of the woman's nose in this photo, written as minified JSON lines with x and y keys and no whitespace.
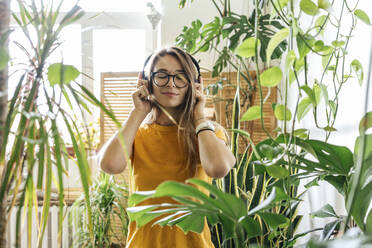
{"x":171,"y":81}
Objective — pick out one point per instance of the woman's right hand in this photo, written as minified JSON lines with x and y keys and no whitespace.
{"x":140,"y":97}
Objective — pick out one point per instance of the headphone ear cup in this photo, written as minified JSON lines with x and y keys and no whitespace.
{"x":150,"y":88}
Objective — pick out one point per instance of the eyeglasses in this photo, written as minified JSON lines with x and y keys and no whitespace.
{"x":161,"y":79}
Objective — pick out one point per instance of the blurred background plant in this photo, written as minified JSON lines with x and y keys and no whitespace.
{"x":39,"y":120}
{"x":108,"y":201}
{"x":90,"y":134}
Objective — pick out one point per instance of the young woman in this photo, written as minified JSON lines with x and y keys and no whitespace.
{"x":176,"y":142}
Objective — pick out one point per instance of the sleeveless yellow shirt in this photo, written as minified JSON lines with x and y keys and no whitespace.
{"x":157,"y":157}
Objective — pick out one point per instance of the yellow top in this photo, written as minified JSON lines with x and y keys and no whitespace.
{"x":156,"y":158}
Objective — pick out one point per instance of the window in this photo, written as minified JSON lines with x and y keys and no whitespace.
{"x":112,"y":36}
{"x":123,"y":52}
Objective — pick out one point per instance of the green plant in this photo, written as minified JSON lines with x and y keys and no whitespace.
{"x":222,"y":36}
{"x":108,"y":201}
{"x":263,"y":186}
{"x":89,"y":133}
{"x":32,"y":146}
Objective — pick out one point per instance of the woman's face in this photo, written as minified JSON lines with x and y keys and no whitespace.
{"x":169,"y":96}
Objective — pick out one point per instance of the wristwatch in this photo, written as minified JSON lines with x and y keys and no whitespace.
{"x":205,"y":125}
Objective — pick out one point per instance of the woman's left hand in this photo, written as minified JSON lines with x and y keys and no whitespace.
{"x":199,"y":100}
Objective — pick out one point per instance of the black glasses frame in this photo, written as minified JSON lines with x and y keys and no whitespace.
{"x":169,"y":76}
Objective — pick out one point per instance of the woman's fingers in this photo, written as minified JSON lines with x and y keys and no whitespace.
{"x":144,"y":91}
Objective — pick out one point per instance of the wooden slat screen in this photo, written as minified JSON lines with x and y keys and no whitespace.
{"x":224,"y":108}
{"x":116,"y":90}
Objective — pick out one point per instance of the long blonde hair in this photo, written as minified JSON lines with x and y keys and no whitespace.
{"x":186,"y":129}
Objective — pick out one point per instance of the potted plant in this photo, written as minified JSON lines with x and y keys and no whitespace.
{"x":108,"y":201}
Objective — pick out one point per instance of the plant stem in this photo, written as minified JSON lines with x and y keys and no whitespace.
{"x":258,"y":71}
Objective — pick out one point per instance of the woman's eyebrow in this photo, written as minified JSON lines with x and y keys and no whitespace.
{"x":165,"y":70}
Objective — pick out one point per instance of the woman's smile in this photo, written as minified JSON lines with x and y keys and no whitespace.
{"x":170,"y":94}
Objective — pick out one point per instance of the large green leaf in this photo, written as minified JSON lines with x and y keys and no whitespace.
{"x":253,"y":113}
{"x":252,"y":227}
{"x":135,"y":213}
{"x":325,"y":4}
{"x":332,"y":158}
{"x":320,"y":23}
{"x":326,"y":211}
{"x":361,"y":202}
{"x":192,"y":222}
{"x":275,"y":41}
{"x":282,"y":113}
{"x":329,"y":229}
{"x":309,"y":7}
{"x":272,"y":198}
{"x":310,"y":93}
{"x":271,"y":77}
{"x":277,"y":171}
{"x":339,"y":182}
{"x":362,"y":16}
{"x":274,"y":220}
{"x":235,"y":206}
{"x":366,"y":170}
{"x":139,"y":196}
{"x":303,"y":43}
{"x":173,"y":188}
{"x":304,"y":107}
{"x":59,"y":73}
{"x":248,"y":47}
{"x":360,"y":189}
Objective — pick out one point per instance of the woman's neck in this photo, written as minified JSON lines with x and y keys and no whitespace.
{"x":164,"y":120}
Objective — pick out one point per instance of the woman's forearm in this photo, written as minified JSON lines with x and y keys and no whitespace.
{"x":216,"y":158}
{"x":112,"y":158}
